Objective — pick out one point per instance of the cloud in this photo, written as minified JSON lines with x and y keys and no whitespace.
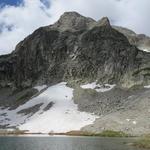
{"x":16,"y":22}
{"x":135,"y":15}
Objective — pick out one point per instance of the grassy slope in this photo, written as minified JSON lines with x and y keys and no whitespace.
{"x":143,"y":142}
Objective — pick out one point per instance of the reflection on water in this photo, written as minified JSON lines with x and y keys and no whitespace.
{"x":64,"y":143}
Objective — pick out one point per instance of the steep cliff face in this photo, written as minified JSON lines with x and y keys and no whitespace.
{"x":75,"y":48}
{"x":7,"y":70}
{"x":95,"y":60}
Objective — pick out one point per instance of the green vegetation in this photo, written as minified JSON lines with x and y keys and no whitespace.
{"x":111,"y":133}
{"x":143,"y":142}
{"x":80,"y":133}
{"x":106,"y":133}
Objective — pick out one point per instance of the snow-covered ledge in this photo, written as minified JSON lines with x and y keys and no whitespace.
{"x":98,"y":87}
{"x":147,"y":86}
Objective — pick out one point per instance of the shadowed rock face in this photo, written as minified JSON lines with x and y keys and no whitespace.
{"x":7,"y":69}
{"x":75,"y":48}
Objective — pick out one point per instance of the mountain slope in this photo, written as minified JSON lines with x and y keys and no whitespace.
{"x":51,"y":111}
{"x":133,"y":117}
{"x":100,"y":64}
{"x":94,"y":51}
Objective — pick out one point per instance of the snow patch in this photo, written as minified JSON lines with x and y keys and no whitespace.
{"x":130,"y":96}
{"x":144,"y":49}
{"x":134,"y":122}
{"x":40,"y":88}
{"x":98,"y":87}
{"x":63,"y":116}
{"x":147,"y":86}
{"x":128,"y":120}
{"x":89,"y":85}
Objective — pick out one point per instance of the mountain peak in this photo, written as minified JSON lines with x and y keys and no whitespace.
{"x":70,"y":14}
{"x":73,"y":21}
{"x":104,"y":22}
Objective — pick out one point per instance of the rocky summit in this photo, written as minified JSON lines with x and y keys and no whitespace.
{"x":79,"y":50}
{"x":75,"y":48}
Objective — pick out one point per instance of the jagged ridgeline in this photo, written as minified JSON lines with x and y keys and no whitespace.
{"x":76,"y":49}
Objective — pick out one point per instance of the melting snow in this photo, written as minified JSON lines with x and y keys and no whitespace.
{"x":98,"y":87}
{"x":147,"y":86}
{"x":144,"y":49}
{"x":40,"y":88}
{"x":89,"y":86}
{"x":134,"y":122}
{"x":128,"y":120}
{"x":63,"y":116}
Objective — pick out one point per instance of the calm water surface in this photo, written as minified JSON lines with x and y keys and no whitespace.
{"x":64,"y":143}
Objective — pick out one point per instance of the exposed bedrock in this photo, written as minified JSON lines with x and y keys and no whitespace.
{"x":74,"y":49}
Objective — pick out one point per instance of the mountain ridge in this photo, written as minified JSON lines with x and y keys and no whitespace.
{"x":70,"y":41}
{"x":79,"y":69}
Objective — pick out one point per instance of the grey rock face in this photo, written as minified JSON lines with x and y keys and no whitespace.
{"x":75,"y":48}
{"x":139,"y":40}
{"x":7,"y":70}
{"x":73,"y":21}
{"x":104,"y":22}
{"x":133,"y":118}
{"x":102,"y":103}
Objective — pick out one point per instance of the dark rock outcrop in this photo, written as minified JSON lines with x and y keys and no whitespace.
{"x":7,"y":69}
{"x":75,"y":48}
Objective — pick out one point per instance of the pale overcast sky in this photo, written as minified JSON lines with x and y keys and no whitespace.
{"x":20,"y":18}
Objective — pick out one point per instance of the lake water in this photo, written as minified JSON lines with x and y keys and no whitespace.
{"x":64,"y":143}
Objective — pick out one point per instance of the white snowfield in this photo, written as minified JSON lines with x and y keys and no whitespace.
{"x":144,"y":49}
{"x":147,"y":86}
{"x":40,"y":88}
{"x":98,"y":87}
{"x":63,"y":116}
